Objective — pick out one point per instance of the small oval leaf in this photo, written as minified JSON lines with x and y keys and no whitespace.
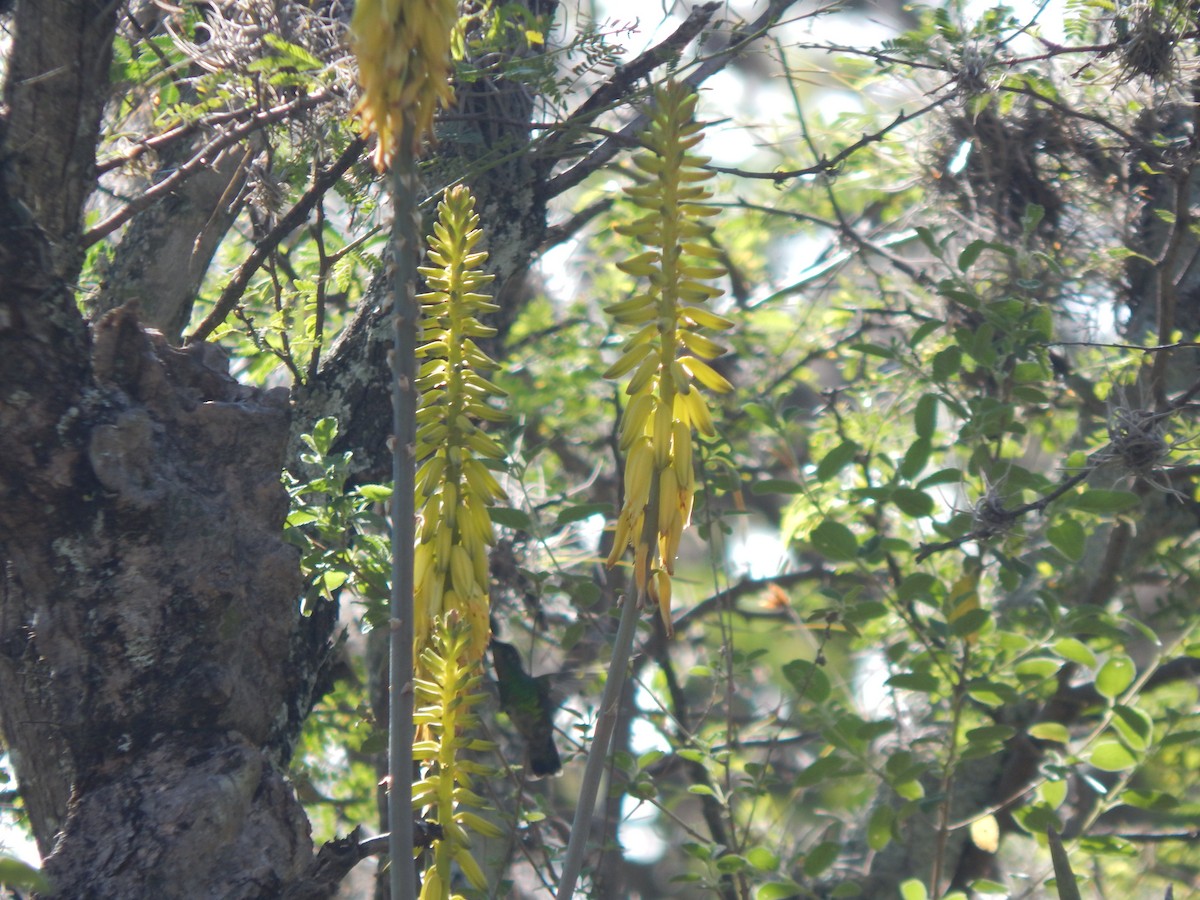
{"x":1115,"y":676}
{"x":835,"y":541}
{"x":1112,"y":756}
{"x":808,"y":680}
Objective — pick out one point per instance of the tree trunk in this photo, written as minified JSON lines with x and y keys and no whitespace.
{"x":154,"y":668}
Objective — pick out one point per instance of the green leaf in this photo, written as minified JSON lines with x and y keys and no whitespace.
{"x":584,"y":592}
{"x":1038,"y":667}
{"x":324,"y":433}
{"x":925,"y":416}
{"x":1189,"y":736}
{"x":914,"y":503}
{"x":970,"y":253}
{"x":808,"y":680}
{"x":580,"y":512}
{"x":990,"y":734}
{"x":915,"y":459}
{"x":17,"y":874}
{"x":946,"y":363}
{"x":1031,"y":372}
{"x":1032,"y":217}
{"x":1108,"y":845}
{"x":375,"y":493}
{"x":1053,"y":793}
{"x":912,"y":889}
{"x":836,"y":460}
{"x":921,"y":682}
{"x":1050,"y":731}
{"x":823,"y":768}
{"x":296,"y":56}
{"x":917,"y":586}
{"x":969,"y":622}
{"x":873,"y":350}
{"x":701,"y":852}
{"x":1068,"y":538}
{"x":988,"y":888}
{"x":332,"y":580}
{"x":1152,"y":800}
{"x":927,"y":238}
{"x":762,"y":859}
{"x":923,"y":331}
{"x":1074,"y":650}
{"x":761,"y":414}
{"x":879,"y":828}
{"x":298,"y":517}
{"x":779,"y":890}
{"x":1115,"y":676}
{"x":941,"y":476}
{"x":866,"y":611}
{"x":516,"y":519}
{"x":1023,"y":393}
{"x":649,"y":758}
{"x":1097,"y":500}
{"x":1135,"y":726}
{"x":834,"y":541}
{"x":1112,"y":756}
{"x":775,"y":486}
{"x":730,"y":863}
{"x":992,"y":694}
{"x":821,"y":857}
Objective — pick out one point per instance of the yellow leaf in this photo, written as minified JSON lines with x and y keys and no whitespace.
{"x":985,"y":834}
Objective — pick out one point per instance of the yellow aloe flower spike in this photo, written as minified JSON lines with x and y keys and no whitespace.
{"x":444,"y":697}
{"x":668,"y":355}
{"x":454,"y":485}
{"x":403,"y":49}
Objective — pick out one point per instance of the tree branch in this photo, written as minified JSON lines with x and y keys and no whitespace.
{"x":289,"y":222}
{"x":200,"y":160}
{"x":621,"y":84}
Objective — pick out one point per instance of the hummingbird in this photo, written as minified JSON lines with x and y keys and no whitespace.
{"x":528,"y":703}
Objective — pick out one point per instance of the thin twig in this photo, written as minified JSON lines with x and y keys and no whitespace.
{"x":200,"y":160}
{"x":648,"y":61}
{"x":290,"y":221}
{"x":827,"y":165}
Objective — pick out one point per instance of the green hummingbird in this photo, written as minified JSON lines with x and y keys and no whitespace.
{"x":528,"y":703}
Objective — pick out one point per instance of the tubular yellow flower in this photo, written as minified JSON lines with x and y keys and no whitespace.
{"x":667,"y":355}
{"x":455,"y":487}
{"x":445,"y":695}
{"x":403,"y":49}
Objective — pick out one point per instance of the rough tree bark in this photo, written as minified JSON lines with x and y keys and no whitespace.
{"x":153,"y":668}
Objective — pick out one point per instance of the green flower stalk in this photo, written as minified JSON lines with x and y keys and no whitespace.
{"x":669,"y":354}
{"x":445,"y":696}
{"x":403,"y":49}
{"x":454,"y":486}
